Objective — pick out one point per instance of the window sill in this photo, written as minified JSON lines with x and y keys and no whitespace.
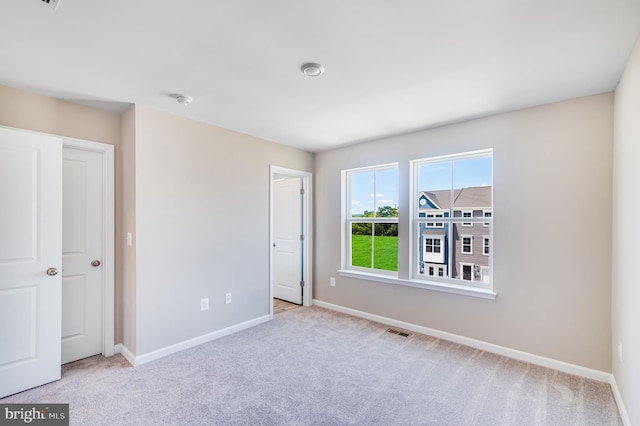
{"x":429,"y":285}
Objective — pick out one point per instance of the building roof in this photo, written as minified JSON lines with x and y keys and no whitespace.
{"x":477,"y":197}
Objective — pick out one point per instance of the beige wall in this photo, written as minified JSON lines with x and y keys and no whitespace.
{"x":626,"y":233}
{"x":29,"y":111}
{"x":552,"y":236}
{"x":202,"y":226}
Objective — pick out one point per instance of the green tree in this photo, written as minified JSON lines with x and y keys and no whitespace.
{"x":381,"y":229}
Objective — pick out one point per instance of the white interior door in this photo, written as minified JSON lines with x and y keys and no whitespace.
{"x":82,"y":253}
{"x":30,"y":259}
{"x":287,"y":250}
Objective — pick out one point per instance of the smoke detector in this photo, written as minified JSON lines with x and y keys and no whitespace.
{"x":312,"y":69}
{"x":52,"y":3}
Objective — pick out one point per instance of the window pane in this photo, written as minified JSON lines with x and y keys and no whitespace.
{"x":385,"y":246}
{"x":373,"y":196}
{"x":362,"y":200}
{"x":457,"y":187}
{"x":434,"y":186}
{"x":361,"y":245}
{"x":385,"y":195}
{"x":433,"y":250}
{"x":472,"y":185}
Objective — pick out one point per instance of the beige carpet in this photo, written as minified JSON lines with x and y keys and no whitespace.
{"x":311,"y":366}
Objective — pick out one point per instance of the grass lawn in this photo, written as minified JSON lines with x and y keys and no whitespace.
{"x":385,"y":252}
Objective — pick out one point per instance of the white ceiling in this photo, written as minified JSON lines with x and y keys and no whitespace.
{"x":390,"y":66}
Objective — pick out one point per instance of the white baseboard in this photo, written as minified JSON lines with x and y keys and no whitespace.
{"x":618,"y":397}
{"x":137,"y":360}
{"x":126,"y":353}
{"x":565,"y":367}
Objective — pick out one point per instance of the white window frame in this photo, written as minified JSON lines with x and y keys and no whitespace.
{"x":462,"y":214}
{"x":484,"y":214}
{"x":485,"y":239}
{"x":462,"y":244}
{"x":432,"y":256}
{"x":434,"y":216}
{"x":408,"y":270}
{"x":347,"y":220}
{"x":451,"y":219}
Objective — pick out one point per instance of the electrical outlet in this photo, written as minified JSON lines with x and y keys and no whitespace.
{"x":227,"y":298}
{"x":620,"y":351}
{"x":204,"y":304}
{"x":332,"y":282}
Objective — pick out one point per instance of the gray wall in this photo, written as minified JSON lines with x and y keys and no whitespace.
{"x":626,"y":233}
{"x":202,"y":226}
{"x":552,"y":236}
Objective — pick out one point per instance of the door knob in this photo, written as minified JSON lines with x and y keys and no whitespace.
{"x":95,"y":263}
{"x":52,"y":271}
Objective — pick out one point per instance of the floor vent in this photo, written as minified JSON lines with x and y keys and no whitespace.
{"x":398,"y":332}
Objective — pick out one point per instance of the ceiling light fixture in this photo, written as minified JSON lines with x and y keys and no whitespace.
{"x":311,"y":69}
{"x":184,"y":100}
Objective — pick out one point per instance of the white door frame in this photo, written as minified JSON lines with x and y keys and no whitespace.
{"x":108,"y":233}
{"x":307,"y":245}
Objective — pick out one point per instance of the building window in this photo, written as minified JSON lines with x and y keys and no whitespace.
{"x":486,"y":213}
{"x":467,"y":213}
{"x":459,"y":191}
{"x":467,"y":246}
{"x":434,"y":224}
{"x":370,"y":197}
{"x":432,"y":245}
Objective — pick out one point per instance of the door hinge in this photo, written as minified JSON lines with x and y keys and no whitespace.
{"x":301,"y":237}
{"x":301,"y":191}
{"x":301,"y":283}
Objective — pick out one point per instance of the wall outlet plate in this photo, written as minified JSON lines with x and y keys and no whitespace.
{"x":227,"y":298}
{"x":204,"y":304}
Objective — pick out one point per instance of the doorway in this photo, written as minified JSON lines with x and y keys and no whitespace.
{"x":290,"y":236}
{"x":87,"y":250}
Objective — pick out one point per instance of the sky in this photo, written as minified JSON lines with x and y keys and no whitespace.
{"x":371,"y":190}
{"x":467,"y":173}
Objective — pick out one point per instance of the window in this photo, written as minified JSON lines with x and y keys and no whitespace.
{"x":467,"y":213}
{"x":435,"y":224}
{"x":460,"y":190}
{"x":467,"y":247}
{"x":432,"y":245}
{"x":486,"y":213}
{"x":371,"y":210}
{"x":449,"y":236}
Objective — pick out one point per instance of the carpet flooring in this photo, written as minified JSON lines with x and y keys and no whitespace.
{"x":312,"y":366}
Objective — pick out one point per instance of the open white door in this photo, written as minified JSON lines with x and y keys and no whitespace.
{"x":30,"y":259}
{"x":287,"y":231}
